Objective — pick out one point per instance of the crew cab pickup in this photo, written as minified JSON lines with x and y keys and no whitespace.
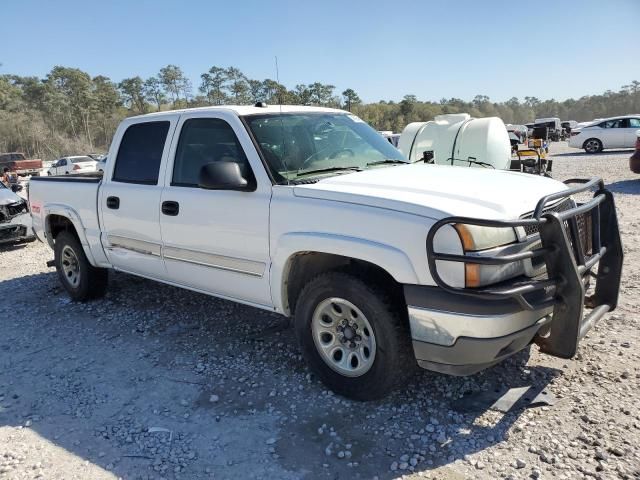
{"x":18,"y":163}
{"x":310,"y":213}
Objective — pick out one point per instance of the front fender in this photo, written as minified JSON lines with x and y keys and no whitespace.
{"x":392,"y":260}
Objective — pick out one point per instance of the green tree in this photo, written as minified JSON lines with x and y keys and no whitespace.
{"x":154,"y":92}
{"x":174,"y":82}
{"x":213,"y":85}
{"x":351,"y":98}
{"x":237,"y":86}
{"x":133,"y":94}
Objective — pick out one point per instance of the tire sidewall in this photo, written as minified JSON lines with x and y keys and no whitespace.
{"x":382,"y":322}
{"x":66,"y":239}
{"x":599,"y":149}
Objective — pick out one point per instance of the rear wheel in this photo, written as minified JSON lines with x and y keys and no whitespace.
{"x":593,"y":145}
{"x":353,"y":335}
{"x":80,"y":279}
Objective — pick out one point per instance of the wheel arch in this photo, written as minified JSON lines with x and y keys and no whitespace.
{"x":64,"y":218}
{"x":302,"y":256}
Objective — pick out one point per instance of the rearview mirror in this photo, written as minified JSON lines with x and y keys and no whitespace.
{"x":15,"y":188}
{"x":222,"y":176}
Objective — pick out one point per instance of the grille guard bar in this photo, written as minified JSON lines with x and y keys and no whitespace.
{"x":568,"y":267}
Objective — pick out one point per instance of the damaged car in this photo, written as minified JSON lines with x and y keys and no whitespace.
{"x":15,"y":221}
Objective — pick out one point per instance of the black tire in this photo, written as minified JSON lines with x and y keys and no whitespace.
{"x":393,"y":361}
{"x":592,"y":145}
{"x":91,"y":282}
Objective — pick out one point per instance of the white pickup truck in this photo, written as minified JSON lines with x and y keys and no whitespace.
{"x":311,"y":213}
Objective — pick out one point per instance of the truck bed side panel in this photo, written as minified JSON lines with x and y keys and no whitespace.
{"x":75,"y":198}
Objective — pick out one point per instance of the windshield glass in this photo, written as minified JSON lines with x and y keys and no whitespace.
{"x":81,"y":159}
{"x":301,"y":144}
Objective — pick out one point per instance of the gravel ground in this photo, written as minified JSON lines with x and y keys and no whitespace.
{"x":157,"y":382}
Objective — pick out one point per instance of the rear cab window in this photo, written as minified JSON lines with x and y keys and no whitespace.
{"x":140,"y":153}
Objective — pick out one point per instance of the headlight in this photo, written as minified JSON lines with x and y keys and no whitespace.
{"x":476,"y":239}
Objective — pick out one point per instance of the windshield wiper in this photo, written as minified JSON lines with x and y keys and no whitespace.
{"x":387,"y":161}
{"x":471,"y":160}
{"x":327,"y":170}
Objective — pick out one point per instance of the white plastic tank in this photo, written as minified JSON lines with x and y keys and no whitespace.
{"x":458,"y":139}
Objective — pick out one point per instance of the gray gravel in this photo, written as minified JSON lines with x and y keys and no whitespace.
{"x":157,"y":382}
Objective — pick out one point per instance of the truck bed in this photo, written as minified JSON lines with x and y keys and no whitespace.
{"x":74,"y":196}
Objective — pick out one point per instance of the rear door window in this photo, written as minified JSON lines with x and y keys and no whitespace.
{"x":634,"y":123}
{"x":140,"y":153}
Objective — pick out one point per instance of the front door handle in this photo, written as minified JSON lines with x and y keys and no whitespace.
{"x":170,"y":208}
{"x":113,"y":203}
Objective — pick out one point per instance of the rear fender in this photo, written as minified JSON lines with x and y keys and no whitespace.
{"x":73,"y":216}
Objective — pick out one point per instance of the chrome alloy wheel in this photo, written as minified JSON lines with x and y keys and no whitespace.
{"x":592,"y":146}
{"x":70,"y":266}
{"x":343,"y":336}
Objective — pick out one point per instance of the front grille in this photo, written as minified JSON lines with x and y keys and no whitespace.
{"x":583,"y":221}
{"x":562,"y":206}
{"x":16,"y":208}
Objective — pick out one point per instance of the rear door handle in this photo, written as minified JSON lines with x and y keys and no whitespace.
{"x":113,"y":203}
{"x":170,"y":208}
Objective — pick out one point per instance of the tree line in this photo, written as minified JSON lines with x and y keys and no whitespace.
{"x":70,"y":112}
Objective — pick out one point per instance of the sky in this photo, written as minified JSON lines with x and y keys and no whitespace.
{"x":382,"y":49}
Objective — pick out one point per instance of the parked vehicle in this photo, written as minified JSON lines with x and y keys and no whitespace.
{"x":634,"y":161}
{"x":615,"y":132}
{"x":18,"y":162}
{"x":391,"y":137}
{"x":15,"y":221}
{"x":567,"y":127}
{"x":518,"y":135}
{"x":73,"y":164}
{"x":102,"y":164}
{"x":310,"y":213}
{"x":553,"y":125}
{"x":529,"y":129}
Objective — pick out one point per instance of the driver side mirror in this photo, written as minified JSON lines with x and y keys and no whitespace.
{"x":15,"y":188}
{"x":222,"y":176}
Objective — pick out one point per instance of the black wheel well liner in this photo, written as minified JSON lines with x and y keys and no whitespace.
{"x":304,"y":266}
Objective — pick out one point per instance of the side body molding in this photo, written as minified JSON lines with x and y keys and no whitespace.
{"x":389,"y":258}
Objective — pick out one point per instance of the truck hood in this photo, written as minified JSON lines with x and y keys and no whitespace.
{"x":7,"y":197}
{"x":437,"y":191}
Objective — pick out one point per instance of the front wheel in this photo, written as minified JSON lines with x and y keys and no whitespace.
{"x":80,"y":279}
{"x":353,"y":335}
{"x":593,"y":145}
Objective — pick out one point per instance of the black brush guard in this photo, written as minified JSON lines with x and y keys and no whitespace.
{"x":569,"y":264}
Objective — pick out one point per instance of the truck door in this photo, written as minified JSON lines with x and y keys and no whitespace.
{"x":216,"y":241}
{"x":130,"y":196}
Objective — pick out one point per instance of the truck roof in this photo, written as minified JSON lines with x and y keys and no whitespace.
{"x":242,"y":110}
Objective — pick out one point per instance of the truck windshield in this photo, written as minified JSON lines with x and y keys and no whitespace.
{"x":306,"y":144}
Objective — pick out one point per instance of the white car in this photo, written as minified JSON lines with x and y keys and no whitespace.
{"x":310,"y":213}
{"x":615,"y":132}
{"x":102,"y":164}
{"x":73,"y":164}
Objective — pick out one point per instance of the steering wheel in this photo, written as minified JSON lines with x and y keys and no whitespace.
{"x":341,"y":151}
{"x":332,"y":156}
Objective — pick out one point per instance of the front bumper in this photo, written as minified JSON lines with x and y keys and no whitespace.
{"x":461,"y":336}
{"x":463,"y":330}
{"x":17,"y":229}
